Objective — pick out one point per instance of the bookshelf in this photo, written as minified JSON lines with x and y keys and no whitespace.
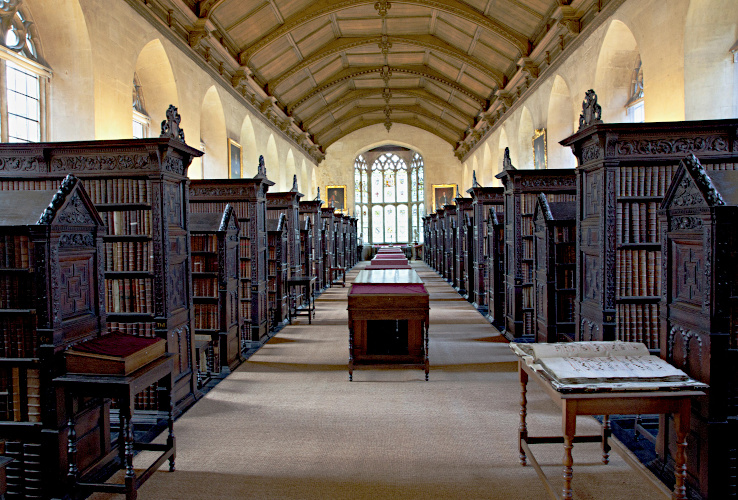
{"x":699,"y":323}
{"x":51,"y":296}
{"x":449,"y":242}
{"x":426,"y":238}
{"x":288,"y":203}
{"x":326,"y":215}
{"x":521,"y":191}
{"x":139,"y":187}
{"x":310,"y":210}
{"x":464,"y":216}
{"x":555,"y":269}
{"x":624,"y":170}
{"x":495,"y":280}
{"x":339,"y":234}
{"x":437,"y":240}
{"x":248,"y":198}
{"x":482,"y":199}
{"x":277,"y":270}
{"x":215,"y":245}
{"x":353,"y":241}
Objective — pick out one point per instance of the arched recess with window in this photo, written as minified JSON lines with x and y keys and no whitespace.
{"x":389,"y":194}
{"x":154,"y":89}
{"x":619,"y":77}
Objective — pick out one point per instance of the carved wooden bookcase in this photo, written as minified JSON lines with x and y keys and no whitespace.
{"x":482,"y":199}
{"x":464,"y":214}
{"x":339,"y":235}
{"x":52,"y":296}
{"x":311,"y":210}
{"x":248,"y":198}
{"x":521,"y":191}
{"x":699,"y":316}
{"x":277,"y":270}
{"x":288,"y":203}
{"x":495,"y":267}
{"x":555,"y":267}
{"x":440,"y":242}
{"x":449,"y":243}
{"x":329,"y":243}
{"x":427,"y":239}
{"x":140,"y":188}
{"x":215,"y":280}
{"x":624,"y":170}
{"x":306,"y":245}
{"x":353,"y":241}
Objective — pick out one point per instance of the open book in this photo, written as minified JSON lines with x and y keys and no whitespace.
{"x":603,"y":366}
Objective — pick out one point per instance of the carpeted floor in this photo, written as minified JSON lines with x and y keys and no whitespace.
{"x":288,"y":425}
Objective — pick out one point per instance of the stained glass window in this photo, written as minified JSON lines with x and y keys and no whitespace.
{"x":390,"y":223}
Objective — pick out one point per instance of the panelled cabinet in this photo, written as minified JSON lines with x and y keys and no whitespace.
{"x":311,"y":210}
{"x":277,"y":270}
{"x":495,"y":279}
{"x":288,"y":203}
{"x":482,"y":199}
{"x":464,"y":215}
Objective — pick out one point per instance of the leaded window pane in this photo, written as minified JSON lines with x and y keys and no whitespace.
{"x":390,"y":224}
{"x":378,"y":224}
{"x":389,"y":186}
{"x":377,"y":186}
{"x":402,"y":223}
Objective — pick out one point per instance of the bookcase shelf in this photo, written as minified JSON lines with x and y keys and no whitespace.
{"x":328,"y":242}
{"x":464,"y":227}
{"x":278,"y":270}
{"x":288,"y":204}
{"x":495,"y":279}
{"x":310,"y":210}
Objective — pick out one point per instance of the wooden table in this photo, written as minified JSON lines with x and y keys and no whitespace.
{"x":123,"y":388}
{"x":334,"y":273}
{"x":379,"y":301}
{"x":676,"y":402}
{"x":308,"y":284}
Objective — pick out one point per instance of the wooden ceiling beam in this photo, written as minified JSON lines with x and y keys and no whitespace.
{"x":452,"y":140}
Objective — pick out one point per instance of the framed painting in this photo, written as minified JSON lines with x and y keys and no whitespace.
{"x":540,"y":160}
{"x":234,"y":159}
{"x":443,"y":194}
{"x":336,"y":197}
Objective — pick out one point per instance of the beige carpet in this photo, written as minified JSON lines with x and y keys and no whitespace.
{"x":288,"y":424}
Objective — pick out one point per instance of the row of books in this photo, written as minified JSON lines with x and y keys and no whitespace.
{"x":637,"y":222}
{"x":638,"y":273}
{"x":244,"y":248}
{"x":15,"y":292}
{"x":526,"y":269}
{"x":128,"y":256}
{"x":565,"y":234}
{"x":19,"y":339}
{"x":205,"y":287}
{"x":528,"y":201}
{"x":127,"y":223}
{"x":241,"y":208}
{"x":204,"y":242}
{"x":207,"y":317}
{"x":528,"y":249}
{"x":565,"y":277}
{"x":14,"y":251}
{"x":566,"y":253}
{"x":645,"y":181}
{"x":104,"y":191}
{"x":528,"y":296}
{"x":528,"y":323}
{"x":565,"y":307}
{"x":10,"y":390}
{"x":245,"y":289}
{"x":138,"y":328}
{"x":245,"y":310}
{"x":204,"y":263}
{"x":638,"y":323}
{"x":129,"y":296}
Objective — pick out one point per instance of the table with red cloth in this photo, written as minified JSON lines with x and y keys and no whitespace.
{"x":388,"y":317}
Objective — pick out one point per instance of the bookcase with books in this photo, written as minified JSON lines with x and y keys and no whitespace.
{"x":215,"y":275}
{"x":482,"y":199}
{"x":52,"y":296}
{"x":339,"y":232}
{"x":248,"y":198}
{"x":139,"y":187}
{"x":277,"y":270}
{"x":464,"y":214}
{"x":426,"y":238}
{"x":326,"y":215}
{"x":440,"y":241}
{"x":288,"y":203}
{"x":521,"y":191}
{"x":495,"y":279}
{"x":306,"y":245}
{"x":353,"y":241}
{"x":624,"y":170}
{"x":555,"y":267}
{"x":449,"y":244}
{"x":310,"y":210}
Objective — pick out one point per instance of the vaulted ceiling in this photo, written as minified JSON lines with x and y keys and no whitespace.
{"x":336,"y":66}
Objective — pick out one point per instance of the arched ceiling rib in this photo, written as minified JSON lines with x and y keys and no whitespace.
{"x":332,"y":65}
{"x":368,"y":123}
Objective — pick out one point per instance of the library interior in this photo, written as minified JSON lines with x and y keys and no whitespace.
{"x":321,"y":249}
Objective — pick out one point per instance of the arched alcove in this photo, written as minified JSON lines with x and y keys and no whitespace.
{"x":614,"y":74}
{"x":290,"y":170}
{"x":305,"y":187}
{"x":314,"y":184}
{"x":475,"y":167}
{"x":248,"y":143}
{"x":486,"y":173}
{"x":156,"y":77}
{"x":271,"y":161}
{"x":525,"y":140}
{"x":710,"y":74}
{"x":213,"y":137}
{"x":561,"y":118}
{"x":504,"y":143}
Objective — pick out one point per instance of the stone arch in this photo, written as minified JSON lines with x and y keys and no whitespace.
{"x":271,"y":160}
{"x":63,"y":42}
{"x":250,"y":152}
{"x":560,"y":124}
{"x":615,"y":63}
{"x":487,"y":173}
{"x":525,"y":140}
{"x":314,"y":183}
{"x":305,"y":187}
{"x":155,"y":74}
{"x":290,"y":169}
{"x":213,"y":137}
{"x":710,"y":74}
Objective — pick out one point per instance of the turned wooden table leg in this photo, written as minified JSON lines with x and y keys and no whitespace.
{"x":523,"y":427}
{"x":569,"y":424}
{"x":606,"y":433}
{"x":681,"y":428}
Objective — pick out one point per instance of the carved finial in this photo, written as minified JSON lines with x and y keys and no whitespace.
{"x":58,"y":200}
{"x":262,"y":168}
{"x":544,"y":206}
{"x":294,"y":183}
{"x":702,"y":180}
{"x":226,"y":217}
{"x":458,"y":195}
{"x":591,"y":111}
{"x":170,"y":126}
{"x":506,"y":161}
{"x":388,"y":124}
{"x":474,"y":179}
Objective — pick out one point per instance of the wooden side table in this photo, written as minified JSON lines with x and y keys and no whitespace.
{"x":308,"y":284}
{"x":124,"y":389}
{"x":335,"y":272}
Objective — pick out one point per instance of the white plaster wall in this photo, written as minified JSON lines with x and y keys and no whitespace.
{"x":441,"y":166}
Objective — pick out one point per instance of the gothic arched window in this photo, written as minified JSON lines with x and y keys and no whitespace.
{"x":634,"y":106}
{"x":141,"y":118}
{"x":389,"y":197}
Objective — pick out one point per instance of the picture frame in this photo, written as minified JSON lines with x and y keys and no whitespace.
{"x":443,"y":194}
{"x":540,"y":156}
{"x":235,"y":160}
{"x":336,"y":195}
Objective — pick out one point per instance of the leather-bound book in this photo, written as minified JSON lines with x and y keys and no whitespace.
{"x":114,"y":354}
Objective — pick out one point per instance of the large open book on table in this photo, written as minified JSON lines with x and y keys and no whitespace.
{"x":603,"y":366}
